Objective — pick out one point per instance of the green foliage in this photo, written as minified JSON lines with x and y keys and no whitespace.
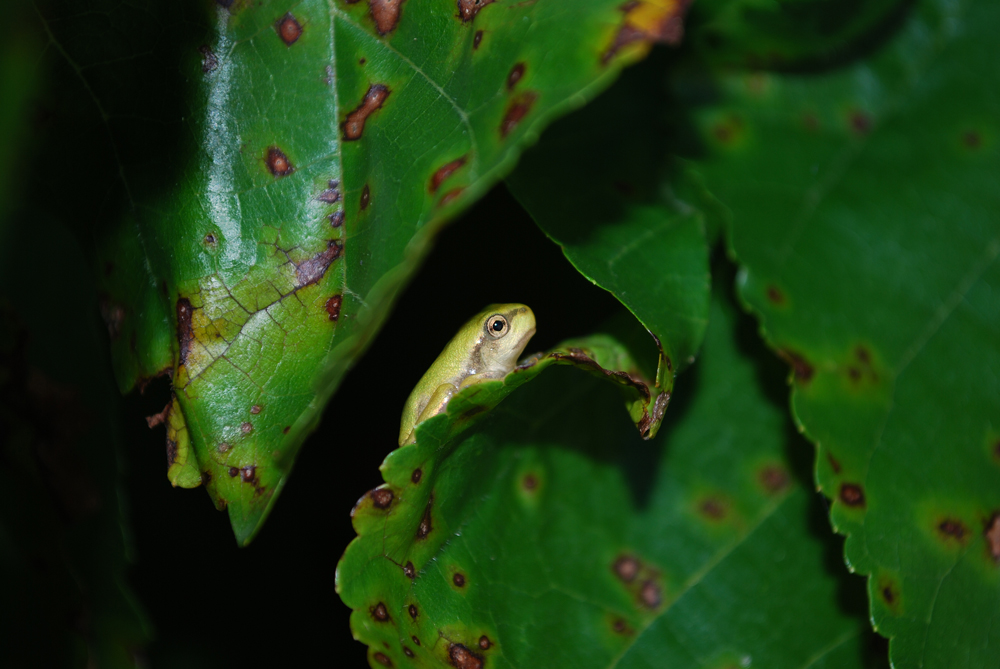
{"x":243,"y":192}
{"x":493,"y":545}
{"x":323,"y":144}
{"x":870,"y":252}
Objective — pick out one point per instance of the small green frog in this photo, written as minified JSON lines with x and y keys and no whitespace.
{"x":487,"y":347}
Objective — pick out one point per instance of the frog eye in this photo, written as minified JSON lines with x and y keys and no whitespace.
{"x":497,"y":326}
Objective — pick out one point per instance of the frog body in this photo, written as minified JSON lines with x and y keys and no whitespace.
{"x":487,"y":347}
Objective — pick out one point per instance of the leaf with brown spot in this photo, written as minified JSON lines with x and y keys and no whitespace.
{"x":303,"y":140}
{"x":893,"y":337}
{"x":604,"y":547}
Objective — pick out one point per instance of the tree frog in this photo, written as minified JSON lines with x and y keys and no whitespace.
{"x":487,"y":347}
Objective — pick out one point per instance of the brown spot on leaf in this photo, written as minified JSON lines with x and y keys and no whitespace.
{"x":626,"y":568}
{"x":467,"y":9}
{"x":416,"y":475}
{"x":646,"y":23}
{"x":450,"y":197}
{"x":484,"y":642}
{"x":246,"y":428}
{"x":382,"y":498}
{"x":407,"y":652}
{"x":413,"y":614}
{"x":992,"y":536}
{"x":382,"y":659}
{"x":515,"y":75}
{"x":223,"y":447}
{"x":951,"y":528}
{"x":277,"y":162}
{"x":463,"y":658}
{"x":289,"y":29}
{"x":287,"y":428}
{"x":415,"y":640}
{"x":713,"y":508}
{"x":312,"y":270}
{"x":425,"y":526}
{"x":861,"y":122}
{"x":834,"y":463}
{"x":333,"y":307}
{"x":775,"y":296}
{"x":336,"y":219}
{"x":210,"y":239}
{"x":184,"y":332}
{"x":171,"y":452}
{"x":366,"y":197}
{"x":773,"y":478}
{"x":385,"y":14}
{"x":888,"y":590}
{"x":863,"y":355}
{"x":206,"y":477}
{"x":650,"y":595}
{"x":801,"y":368}
{"x":619,"y":626}
{"x":444,"y":172}
{"x":529,"y":482}
{"x":362,"y":61}
{"x":159,"y":418}
{"x":516,"y":111}
{"x":255,"y":409}
{"x":477,"y":40}
{"x":852,"y":494}
{"x":723,"y":132}
{"x":854,"y":373}
{"x":458,"y":579}
{"x":209,"y":61}
{"x":248,"y":473}
{"x":331,"y":194}
{"x":234,"y":472}
{"x":354,"y":125}
{"x":409,"y":570}
{"x":379,"y":612}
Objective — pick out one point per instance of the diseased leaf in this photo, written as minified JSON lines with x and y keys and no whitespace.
{"x":552,"y":535}
{"x":865,"y":216}
{"x":274,"y":172}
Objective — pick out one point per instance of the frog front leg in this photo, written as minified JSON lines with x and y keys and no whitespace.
{"x":435,"y":405}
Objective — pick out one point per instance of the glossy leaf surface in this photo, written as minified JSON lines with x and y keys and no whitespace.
{"x":864,"y":211}
{"x":275,"y":173}
{"x":551,"y":534}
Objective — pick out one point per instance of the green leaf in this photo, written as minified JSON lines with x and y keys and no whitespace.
{"x":639,"y":231}
{"x":552,"y":535}
{"x":865,"y":215}
{"x":279,"y":171}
